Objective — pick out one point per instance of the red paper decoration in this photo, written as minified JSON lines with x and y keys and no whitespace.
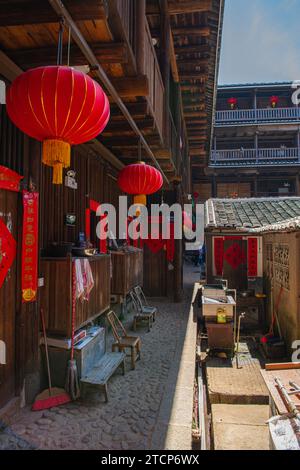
{"x":30,"y":247}
{"x":59,"y":106}
{"x":252,"y":257}
{"x":232,"y":102}
{"x":274,"y":100}
{"x":8,"y":249}
{"x":140,"y":180}
{"x":235,"y":256}
{"x":9,"y":179}
{"x":219,"y":255}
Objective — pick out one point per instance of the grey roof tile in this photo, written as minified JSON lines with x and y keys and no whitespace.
{"x":250,"y":213}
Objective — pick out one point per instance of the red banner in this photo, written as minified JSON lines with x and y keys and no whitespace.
{"x":252,"y":257}
{"x":219,"y":255}
{"x":94,"y":205}
{"x":30,"y":247}
{"x":8,"y":248}
{"x":9,"y":179}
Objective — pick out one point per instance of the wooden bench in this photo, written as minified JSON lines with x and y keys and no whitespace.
{"x":100,"y":374}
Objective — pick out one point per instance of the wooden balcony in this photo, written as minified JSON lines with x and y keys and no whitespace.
{"x":257,"y":116}
{"x":254,"y":158}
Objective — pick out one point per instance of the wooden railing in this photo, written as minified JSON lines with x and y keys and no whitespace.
{"x":126,"y":10}
{"x":156,"y":86}
{"x":241,"y":116}
{"x":253,"y":157}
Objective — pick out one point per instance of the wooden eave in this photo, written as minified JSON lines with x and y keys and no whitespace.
{"x":196,"y":31}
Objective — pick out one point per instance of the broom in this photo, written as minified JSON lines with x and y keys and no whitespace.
{"x":72,"y":384}
{"x":51,"y":397}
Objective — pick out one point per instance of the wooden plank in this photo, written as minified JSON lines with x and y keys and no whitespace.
{"x":285,"y":376}
{"x":132,"y":86}
{"x":106,"y":53}
{"x":15,"y":13}
{"x":283,"y":366}
{"x":179,"y":7}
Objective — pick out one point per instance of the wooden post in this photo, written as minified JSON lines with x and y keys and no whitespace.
{"x":166,"y":63}
{"x":140,"y":36}
{"x":178,"y":259}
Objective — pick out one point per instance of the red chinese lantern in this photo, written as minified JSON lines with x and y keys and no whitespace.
{"x":140,"y":180}
{"x":60,"y":107}
{"x":232,"y":102}
{"x":196,"y":196}
{"x":274,"y":101}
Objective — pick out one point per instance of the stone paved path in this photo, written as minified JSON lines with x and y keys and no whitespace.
{"x":128,"y":420}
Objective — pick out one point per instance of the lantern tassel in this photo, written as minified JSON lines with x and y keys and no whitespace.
{"x":57,"y":153}
{"x":141,"y":200}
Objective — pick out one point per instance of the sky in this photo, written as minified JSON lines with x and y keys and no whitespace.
{"x":261,"y":41}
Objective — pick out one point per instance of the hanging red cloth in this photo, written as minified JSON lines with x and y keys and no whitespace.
{"x":8,"y":249}
{"x":219,"y":255}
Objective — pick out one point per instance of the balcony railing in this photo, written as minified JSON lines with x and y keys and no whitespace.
{"x":156,"y":86}
{"x":252,"y":157}
{"x":257,"y":116}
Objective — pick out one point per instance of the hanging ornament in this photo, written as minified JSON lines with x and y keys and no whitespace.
{"x":232,"y":103}
{"x":60,"y":107}
{"x":274,"y":100}
{"x":140,"y":180}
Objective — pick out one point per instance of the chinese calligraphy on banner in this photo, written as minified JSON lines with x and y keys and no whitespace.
{"x":30,"y":247}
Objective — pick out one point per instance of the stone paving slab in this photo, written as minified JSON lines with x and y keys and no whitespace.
{"x":231,"y":385}
{"x":240,"y":427}
{"x":132,"y":415}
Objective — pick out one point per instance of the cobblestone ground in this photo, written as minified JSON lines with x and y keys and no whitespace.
{"x":128,"y":420}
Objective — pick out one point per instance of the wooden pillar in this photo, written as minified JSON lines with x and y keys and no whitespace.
{"x":256,"y":146}
{"x":140,"y":35}
{"x":178,"y":259}
{"x":298,"y":143}
{"x":214,"y":187}
{"x":166,"y":62}
{"x":297,"y":186}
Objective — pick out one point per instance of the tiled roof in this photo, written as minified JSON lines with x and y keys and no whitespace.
{"x":222,"y":87}
{"x":250,"y":213}
{"x":291,"y":225}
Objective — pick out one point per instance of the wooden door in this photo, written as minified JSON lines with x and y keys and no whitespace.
{"x":235,"y":264}
{"x":8,"y":300}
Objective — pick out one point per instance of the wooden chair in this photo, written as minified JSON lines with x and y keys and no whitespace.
{"x":140,"y":316}
{"x":123,"y":341}
{"x":145,"y":307}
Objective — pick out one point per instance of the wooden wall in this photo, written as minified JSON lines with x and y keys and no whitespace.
{"x":96,"y":180}
{"x":282,"y":270}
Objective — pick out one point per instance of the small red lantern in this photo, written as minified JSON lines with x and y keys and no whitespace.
{"x":59,"y":106}
{"x":196,"y":196}
{"x":140,"y":180}
{"x":274,"y":100}
{"x":232,"y":103}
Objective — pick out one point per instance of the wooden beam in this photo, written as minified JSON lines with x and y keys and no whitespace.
{"x":8,"y":69}
{"x":203,"y":31}
{"x":193,"y":49}
{"x":17,"y":13}
{"x":176,"y":7}
{"x":132,"y":86}
{"x":108,"y":53}
{"x":174,"y":62}
{"x":106,"y":154}
{"x":193,"y":76}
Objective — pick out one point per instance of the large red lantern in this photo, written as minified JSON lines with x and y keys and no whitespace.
{"x":232,"y":102}
{"x":274,"y":100}
{"x":140,"y":180}
{"x":59,"y":106}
